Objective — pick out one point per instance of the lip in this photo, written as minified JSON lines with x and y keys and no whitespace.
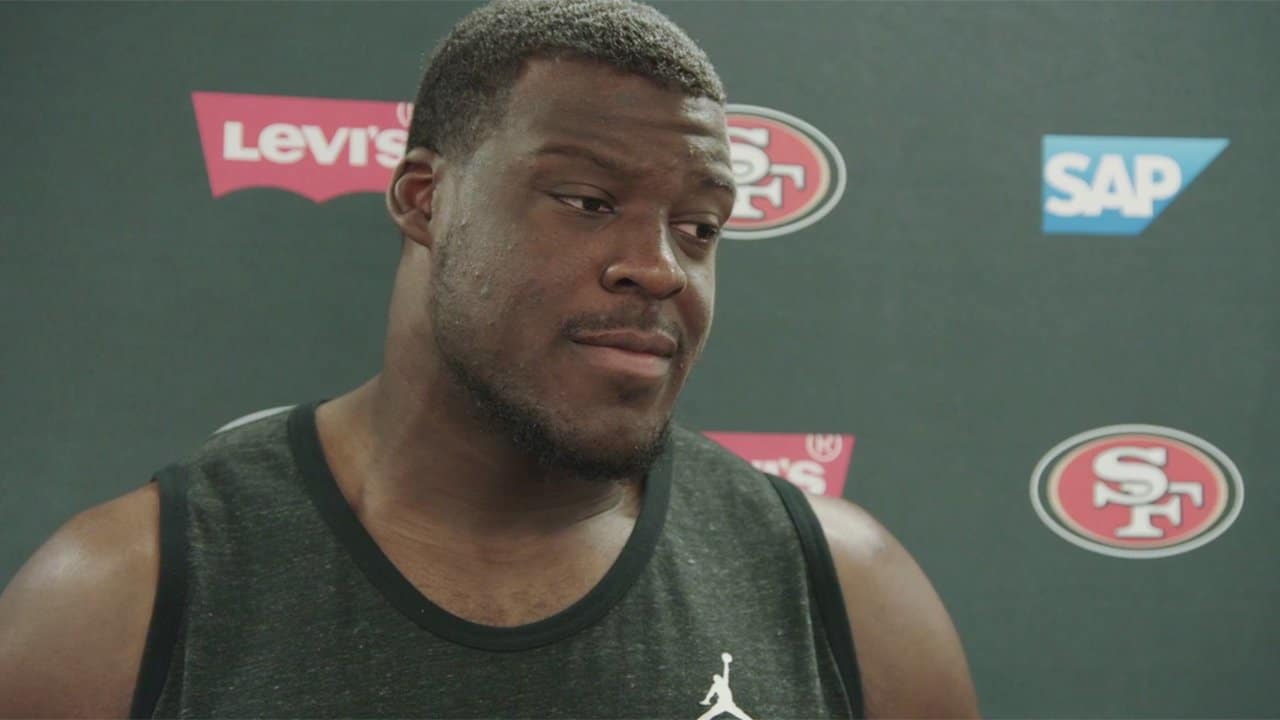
{"x":633,"y":341}
{"x":628,"y":352}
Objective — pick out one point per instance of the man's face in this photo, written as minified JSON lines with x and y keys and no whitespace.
{"x":574,"y":269}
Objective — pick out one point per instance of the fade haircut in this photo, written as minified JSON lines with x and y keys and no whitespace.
{"x":470,"y":75}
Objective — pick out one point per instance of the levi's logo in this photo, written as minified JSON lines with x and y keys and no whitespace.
{"x":816,"y":463}
{"x":318,"y":148}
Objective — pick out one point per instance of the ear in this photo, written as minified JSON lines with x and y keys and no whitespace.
{"x":410,"y":195}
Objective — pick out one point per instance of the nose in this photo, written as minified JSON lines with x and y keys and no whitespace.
{"x":645,"y":260}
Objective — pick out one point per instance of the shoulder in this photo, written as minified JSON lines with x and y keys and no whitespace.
{"x":74,"y":620}
{"x":242,"y":463}
{"x":718,"y":480}
{"x":909,"y":654}
{"x":697,"y":449}
{"x":261,"y":436}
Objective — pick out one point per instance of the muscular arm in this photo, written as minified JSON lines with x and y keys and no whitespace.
{"x":909,"y":655}
{"x":73,"y":621}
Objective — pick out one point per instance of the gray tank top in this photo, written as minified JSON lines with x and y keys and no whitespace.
{"x":274,"y":601}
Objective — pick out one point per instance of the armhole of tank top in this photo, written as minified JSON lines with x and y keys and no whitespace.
{"x":171,"y":593}
{"x":826,"y":587}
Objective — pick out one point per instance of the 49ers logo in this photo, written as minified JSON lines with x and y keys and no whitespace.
{"x":1137,"y":491}
{"x":789,"y":174}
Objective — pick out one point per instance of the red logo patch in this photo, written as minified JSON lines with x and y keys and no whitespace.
{"x":315,"y":147}
{"x":815,"y":463}
{"x":1137,"y":491}
{"x":789,"y":174}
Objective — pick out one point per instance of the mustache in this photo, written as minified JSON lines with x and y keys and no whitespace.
{"x":627,"y":318}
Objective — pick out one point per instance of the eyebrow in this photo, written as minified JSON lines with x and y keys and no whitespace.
{"x":709,"y":180}
{"x":575,"y":151}
{"x":716,"y":181}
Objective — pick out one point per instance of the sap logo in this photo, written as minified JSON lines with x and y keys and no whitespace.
{"x":1117,"y":185}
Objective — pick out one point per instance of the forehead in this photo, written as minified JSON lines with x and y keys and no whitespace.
{"x":584,"y":101}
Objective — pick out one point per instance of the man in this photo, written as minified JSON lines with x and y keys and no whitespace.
{"x":501,"y":523}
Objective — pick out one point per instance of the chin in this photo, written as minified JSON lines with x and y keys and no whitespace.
{"x":600,"y":449}
{"x":613,"y":435}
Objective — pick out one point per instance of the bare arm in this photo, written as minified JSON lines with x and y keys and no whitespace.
{"x":73,"y":621}
{"x":909,"y":655}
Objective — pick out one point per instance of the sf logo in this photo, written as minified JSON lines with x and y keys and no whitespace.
{"x":1136,"y":491}
{"x":1134,"y":477}
{"x":755,"y":174}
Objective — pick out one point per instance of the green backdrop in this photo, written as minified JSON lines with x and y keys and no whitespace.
{"x":927,"y":314}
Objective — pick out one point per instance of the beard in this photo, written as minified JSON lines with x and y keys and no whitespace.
{"x":533,"y":429}
{"x":501,"y":401}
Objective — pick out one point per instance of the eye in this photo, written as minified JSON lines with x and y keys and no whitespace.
{"x":586,"y":203}
{"x":702,"y":232}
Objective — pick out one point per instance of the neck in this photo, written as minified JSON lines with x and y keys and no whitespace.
{"x":403,"y":461}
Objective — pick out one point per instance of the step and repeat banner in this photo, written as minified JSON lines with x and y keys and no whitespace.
{"x":1005,"y":274}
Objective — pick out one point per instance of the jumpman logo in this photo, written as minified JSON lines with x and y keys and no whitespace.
{"x":723,"y":695}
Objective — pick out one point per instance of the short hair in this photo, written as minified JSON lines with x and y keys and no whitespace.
{"x":470,"y":75}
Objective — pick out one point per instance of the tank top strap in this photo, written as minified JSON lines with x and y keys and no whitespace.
{"x":171,"y":592}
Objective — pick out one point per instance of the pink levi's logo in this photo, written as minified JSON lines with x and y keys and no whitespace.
{"x":318,"y":148}
{"x":816,"y":463}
